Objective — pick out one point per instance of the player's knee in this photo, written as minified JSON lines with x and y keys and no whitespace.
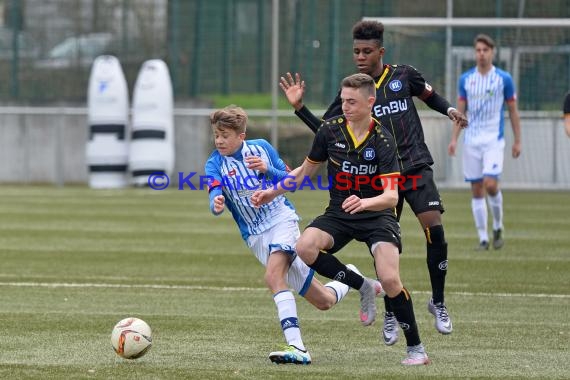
{"x":306,"y":250}
{"x":491,"y":185}
{"x":391,"y":283}
{"x":435,"y":235}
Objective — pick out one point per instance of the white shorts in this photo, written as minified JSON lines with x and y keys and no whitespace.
{"x":283,"y":237}
{"x":483,"y":161}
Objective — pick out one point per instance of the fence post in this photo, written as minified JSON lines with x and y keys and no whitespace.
{"x":260,"y":52}
{"x":274,"y":72}
{"x":16,"y":21}
{"x":195,"y":73}
{"x":333,"y":78}
{"x":173,"y":47}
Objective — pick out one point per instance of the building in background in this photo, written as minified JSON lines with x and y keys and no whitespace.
{"x":224,"y":46}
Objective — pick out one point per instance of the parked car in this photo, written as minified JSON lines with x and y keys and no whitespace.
{"x":77,"y":51}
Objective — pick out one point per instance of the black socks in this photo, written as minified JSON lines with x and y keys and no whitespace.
{"x":329,"y":266}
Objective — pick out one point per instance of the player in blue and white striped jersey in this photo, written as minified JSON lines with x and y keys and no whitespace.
{"x":483,"y":91}
{"x":236,"y":169}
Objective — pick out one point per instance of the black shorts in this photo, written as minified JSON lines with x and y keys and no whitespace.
{"x":382,"y":228}
{"x":421,"y":193}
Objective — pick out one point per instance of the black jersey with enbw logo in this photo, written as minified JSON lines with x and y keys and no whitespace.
{"x":354,"y":167}
{"x":395,"y":109}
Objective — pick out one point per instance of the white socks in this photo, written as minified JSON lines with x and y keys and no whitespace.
{"x":479,"y":208}
{"x":287,"y":312}
{"x":339,"y":288}
{"x":496,"y":204}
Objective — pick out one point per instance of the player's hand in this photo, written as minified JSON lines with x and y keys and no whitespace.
{"x":516,"y":150}
{"x":261,"y":197}
{"x":451,"y":148}
{"x":353,"y":204}
{"x":458,"y":118}
{"x":256,"y":163}
{"x":219,"y":204}
{"x":294,"y":88}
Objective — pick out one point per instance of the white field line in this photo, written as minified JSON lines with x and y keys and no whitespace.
{"x":240,"y":289}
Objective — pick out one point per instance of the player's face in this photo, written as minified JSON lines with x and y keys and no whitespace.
{"x":483,"y":54}
{"x":356,"y":106}
{"x":367,"y":56}
{"x":227,"y":140}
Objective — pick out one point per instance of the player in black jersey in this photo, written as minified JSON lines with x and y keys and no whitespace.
{"x":566,"y":110}
{"x":394,"y":107}
{"x":361,"y":162}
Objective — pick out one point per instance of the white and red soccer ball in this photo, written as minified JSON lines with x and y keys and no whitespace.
{"x":131,"y":338}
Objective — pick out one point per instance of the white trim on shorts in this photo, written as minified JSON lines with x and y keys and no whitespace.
{"x":283,"y":237}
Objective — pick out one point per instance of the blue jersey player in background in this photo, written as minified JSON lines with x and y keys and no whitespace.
{"x":236,"y":169}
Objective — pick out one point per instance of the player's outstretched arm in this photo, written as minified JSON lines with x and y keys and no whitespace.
{"x":294,"y":89}
{"x":457,"y":117}
{"x":438,"y":103}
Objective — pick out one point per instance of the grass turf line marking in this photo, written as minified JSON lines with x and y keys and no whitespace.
{"x":236,"y":289}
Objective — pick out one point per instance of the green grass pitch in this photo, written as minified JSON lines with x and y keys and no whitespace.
{"x":74,"y":261}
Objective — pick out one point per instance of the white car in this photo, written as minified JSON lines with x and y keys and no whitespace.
{"x":77,"y":51}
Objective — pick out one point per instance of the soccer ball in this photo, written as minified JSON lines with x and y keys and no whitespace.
{"x":131,"y":338}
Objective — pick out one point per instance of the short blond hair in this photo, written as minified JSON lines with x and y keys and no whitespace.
{"x":230,"y":117}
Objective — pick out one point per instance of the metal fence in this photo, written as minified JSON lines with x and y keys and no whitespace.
{"x":223,"y":47}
